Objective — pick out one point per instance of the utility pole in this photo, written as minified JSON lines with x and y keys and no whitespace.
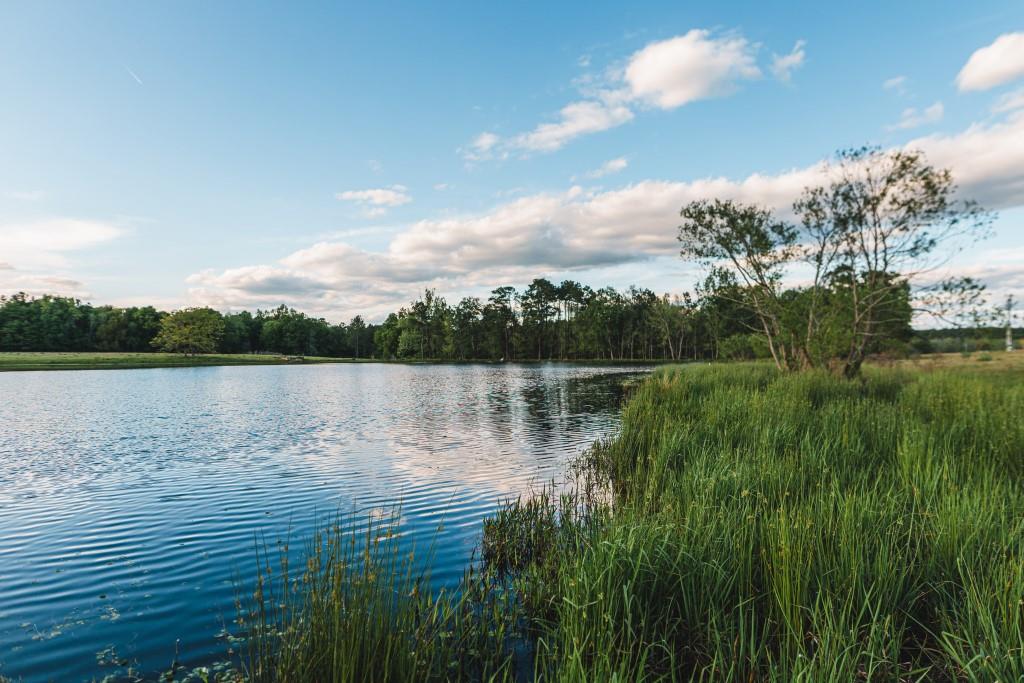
{"x":1009,"y":323}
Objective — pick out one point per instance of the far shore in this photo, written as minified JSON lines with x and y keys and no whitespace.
{"x":88,"y":360}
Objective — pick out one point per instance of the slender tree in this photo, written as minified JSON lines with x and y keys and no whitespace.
{"x":882,"y":222}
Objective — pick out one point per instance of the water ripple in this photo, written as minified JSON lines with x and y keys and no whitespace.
{"x":130,"y":499}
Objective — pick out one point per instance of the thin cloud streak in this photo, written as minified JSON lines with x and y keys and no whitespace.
{"x":134,"y":75}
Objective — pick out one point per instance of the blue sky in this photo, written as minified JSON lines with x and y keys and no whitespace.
{"x":341,"y":158}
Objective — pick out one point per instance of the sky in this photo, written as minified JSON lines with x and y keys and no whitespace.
{"x":342,"y":158}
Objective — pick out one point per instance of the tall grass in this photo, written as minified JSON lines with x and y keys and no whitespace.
{"x":360,"y":610}
{"x":760,"y":527}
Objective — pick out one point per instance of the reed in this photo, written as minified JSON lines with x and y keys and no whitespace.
{"x":743,"y":525}
{"x":360,"y":609}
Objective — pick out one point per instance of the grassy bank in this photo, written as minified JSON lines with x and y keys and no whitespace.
{"x":51,"y":360}
{"x":744,"y":525}
{"x":108,"y":361}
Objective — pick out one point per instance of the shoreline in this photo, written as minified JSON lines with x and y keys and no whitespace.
{"x":35,"y":361}
{"x":32,"y":361}
{"x":751,"y":507}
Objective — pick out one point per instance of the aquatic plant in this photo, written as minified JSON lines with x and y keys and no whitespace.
{"x":360,"y":610}
{"x":759,"y":526}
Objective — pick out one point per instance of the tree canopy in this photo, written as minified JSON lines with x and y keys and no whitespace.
{"x":190,"y":331}
{"x":868,"y":238}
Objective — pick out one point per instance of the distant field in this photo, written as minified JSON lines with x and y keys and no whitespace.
{"x":101,"y":361}
{"x":981,"y":361}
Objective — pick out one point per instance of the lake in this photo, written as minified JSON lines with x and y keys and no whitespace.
{"x":131,"y":500}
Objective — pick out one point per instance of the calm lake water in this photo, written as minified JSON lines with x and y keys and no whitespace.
{"x":131,"y":499}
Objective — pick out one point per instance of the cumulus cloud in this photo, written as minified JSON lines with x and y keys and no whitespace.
{"x":995,"y":64}
{"x":783,"y":66}
{"x":987,"y":160}
{"x":45,"y":243}
{"x":377,"y":201}
{"x":575,"y":230}
{"x":38,"y":284}
{"x":914,"y":118}
{"x":694,"y":66}
{"x":1002,"y":270}
{"x":664,"y":74}
{"x":1009,"y":101}
{"x":514,"y":241}
{"x":37,"y":253}
{"x":608,"y":168}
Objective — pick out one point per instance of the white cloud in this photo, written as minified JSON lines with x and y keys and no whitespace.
{"x":1002,"y":270}
{"x":377,"y":201}
{"x":694,"y":66}
{"x":784,"y":65}
{"x":441,"y":187}
{"x":665,"y":74}
{"x":44,"y":242}
{"x":1009,"y":101}
{"x":575,"y":230}
{"x":36,"y":253}
{"x":995,"y":64}
{"x":572,"y":230}
{"x":608,"y":168}
{"x":913,"y":118}
{"x":35,"y":284}
{"x":485,"y":142}
{"x":987,"y":160}
{"x":482,"y":147}
{"x":578,"y":118}
{"x":897,"y":83}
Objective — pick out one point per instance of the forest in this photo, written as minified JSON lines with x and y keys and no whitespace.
{"x":544,"y":321}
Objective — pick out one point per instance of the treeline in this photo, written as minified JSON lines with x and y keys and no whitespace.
{"x":965,"y":340}
{"x":570,"y":321}
{"x":544,"y":321}
{"x":567,"y":321}
{"x":53,"y":323}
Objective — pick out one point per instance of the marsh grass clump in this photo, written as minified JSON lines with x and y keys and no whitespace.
{"x":744,"y":525}
{"x":359,"y":610}
{"x":786,"y":527}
